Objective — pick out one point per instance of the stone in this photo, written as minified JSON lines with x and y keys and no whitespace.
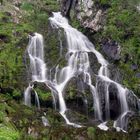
{"x":138,"y":75}
{"x":86,"y":12}
{"x":134,"y":67}
{"x":133,"y":101}
{"x":85,"y":7}
{"x":112,"y":49}
{"x":95,"y":23}
{"x":66,"y":7}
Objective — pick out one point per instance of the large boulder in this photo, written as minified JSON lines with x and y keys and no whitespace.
{"x":112,"y":49}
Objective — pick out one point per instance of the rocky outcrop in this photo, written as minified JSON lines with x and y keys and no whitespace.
{"x":112,"y":49}
{"x":13,"y":9}
{"x":95,"y":23}
{"x":84,"y":8}
{"x":89,"y":15}
{"x":86,"y":12}
{"x":66,"y":6}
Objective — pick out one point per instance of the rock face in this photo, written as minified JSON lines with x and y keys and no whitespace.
{"x":86,"y":12}
{"x":112,"y":49}
{"x":84,"y":8}
{"x":94,"y":24}
{"x":89,"y":15}
{"x":66,"y":6}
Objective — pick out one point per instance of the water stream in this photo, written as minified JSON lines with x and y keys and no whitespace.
{"x":78,"y":49}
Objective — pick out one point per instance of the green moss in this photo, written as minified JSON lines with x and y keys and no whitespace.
{"x":2,"y":116}
{"x":129,"y":79}
{"x":11,"y":65}
{"x":44,"y":95}
{"x":27,"y":6}
{"x":16,"y":93}
{"x":91,"y":132}
{"x":7,"y":129}
{"x":8,"y":133}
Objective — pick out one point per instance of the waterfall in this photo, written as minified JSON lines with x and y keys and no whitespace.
{"x":37,"y":66}
{"x":78,"y":49}
{"x":36,"y":54}
{"x":27,"y":96}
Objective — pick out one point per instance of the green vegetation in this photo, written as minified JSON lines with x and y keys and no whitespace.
{"x":122,"y":25}
{"x":91,"y":132}
{"x":8,"y":133}
{"x":15,"y":26}
{"x":33,"y":17}
{"x":16,"y":120}
{"x":7,"y":129}
{"x":43,"y":95}
{"x":12,"y":47}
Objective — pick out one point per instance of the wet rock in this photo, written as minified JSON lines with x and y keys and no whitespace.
{"x":76,"y":95}
{"x":114,"y":102}
{"x":112,"y":49}
{"x":133,"y":101}
{"x":93,"y":63}
{"x":138,"y":75}
{"x":45,"y":121}
{"x":55,"y":50}
{"x":134,"y":67}
{"x":66,"y":7}
{"x":114,"y":73}
{"x":76,"y":105}
{"x":76,"y":117}
{"x":44,"y":93}
{"x":113,"y":99}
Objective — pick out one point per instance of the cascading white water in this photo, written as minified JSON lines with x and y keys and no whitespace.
{"x":36,"y":54}
{"x":78,"y":48}
{"x":27,"y":96}
{"x":37,"y":66}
